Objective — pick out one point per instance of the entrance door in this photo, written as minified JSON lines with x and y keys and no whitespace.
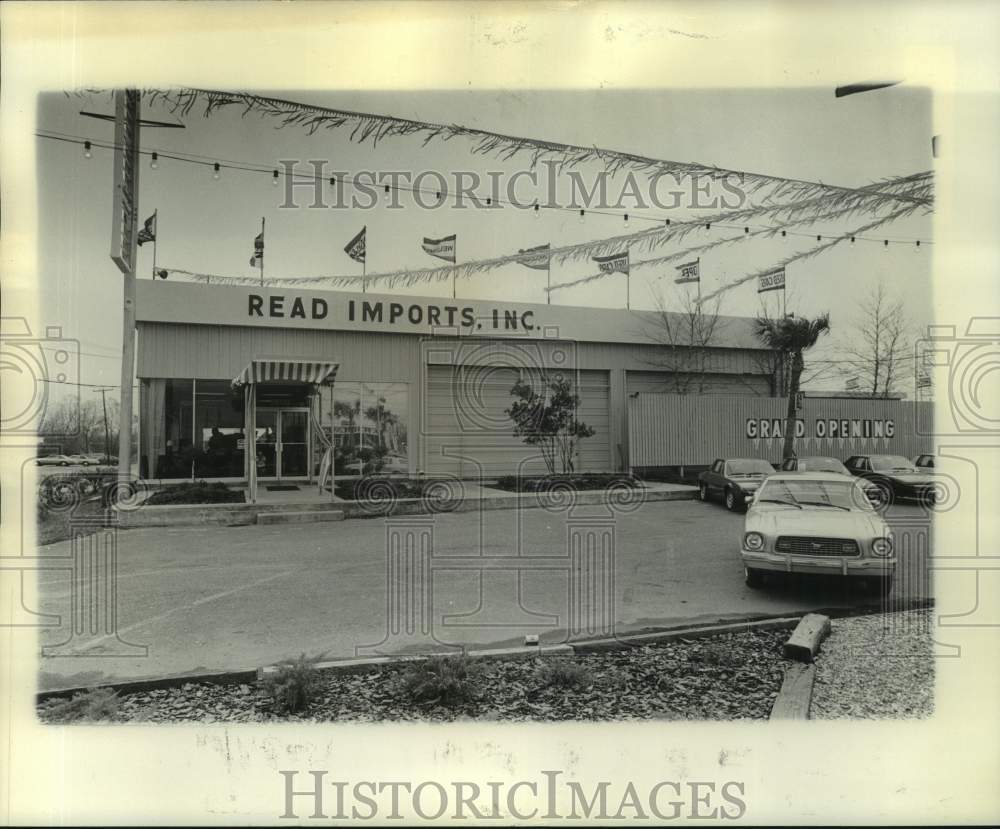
{"x":282,"y":443}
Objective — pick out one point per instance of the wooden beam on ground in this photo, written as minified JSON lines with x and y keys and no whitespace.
{"x":804,"y":643}
{"x":795,"y":695}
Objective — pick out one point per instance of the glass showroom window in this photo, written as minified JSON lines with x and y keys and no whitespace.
{"x":169,"y":418}
{"x":218,"y":430}
{"x":367,"y":423}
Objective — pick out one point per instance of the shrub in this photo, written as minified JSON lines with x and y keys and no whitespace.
{"x":86,"y":706}
{"x":447,"y":680}
{"x":293,"y":686}
{"x":196,"y":492}
{"x":563,"y":673}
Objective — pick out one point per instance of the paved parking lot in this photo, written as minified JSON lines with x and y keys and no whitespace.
{"x":206,"y":599}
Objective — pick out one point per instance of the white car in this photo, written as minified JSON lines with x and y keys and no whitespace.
{"x":816,"y":522}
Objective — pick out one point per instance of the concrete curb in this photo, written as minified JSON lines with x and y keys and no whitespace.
{"x":234,"y":515}
{"x":372,"y":663}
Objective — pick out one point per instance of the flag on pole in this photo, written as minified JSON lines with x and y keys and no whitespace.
{"x":148,"y":232}
{"x":356,"y":247}
{"x":441,"y":248}
{"x":257,"y":260}
{"x":771,"y":281}
{"x":613,"y":263}
{"x":536,"y":257}
{"x":689,"y":272}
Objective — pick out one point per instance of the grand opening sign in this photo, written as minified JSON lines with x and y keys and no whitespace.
{"x":843,"y":428}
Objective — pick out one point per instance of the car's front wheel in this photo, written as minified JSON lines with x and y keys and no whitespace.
{"x":753,"y":578}
{"x":731,"y":501}
{"x":702,"y":492}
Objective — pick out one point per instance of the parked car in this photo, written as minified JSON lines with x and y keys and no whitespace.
{"x":395,"y":465}
{"x":733,"y":480}
{"x":816,"y":522}
{"x":814,"y":464}
{"x":924,"y":461}
{"x":54,"y":460}
{"x":896,"y":477}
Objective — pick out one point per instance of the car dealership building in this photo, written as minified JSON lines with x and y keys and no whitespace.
{"x":398,"y":384}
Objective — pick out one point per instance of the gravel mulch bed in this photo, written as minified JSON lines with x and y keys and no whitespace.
{"x":876,"y":667}
{"x":729,"y":677}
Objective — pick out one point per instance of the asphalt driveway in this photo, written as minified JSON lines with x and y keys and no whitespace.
{"x":209,"y":599}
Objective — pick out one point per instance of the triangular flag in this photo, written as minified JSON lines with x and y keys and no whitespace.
{"x":356,"y":247}
{"x":148,"y":232}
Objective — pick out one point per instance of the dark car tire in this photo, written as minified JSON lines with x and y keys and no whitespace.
{"x":731,"y":504}
{"x":753,"y":578}
{"x":64,"y":463}
{"x":703,"y":492}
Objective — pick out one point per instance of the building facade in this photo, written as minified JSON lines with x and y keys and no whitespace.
{"x":422,"y":386}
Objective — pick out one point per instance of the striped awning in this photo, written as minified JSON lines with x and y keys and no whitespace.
{"x":277,"y":370}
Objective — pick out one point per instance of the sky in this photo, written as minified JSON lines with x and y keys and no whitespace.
{"x":208,"y":225}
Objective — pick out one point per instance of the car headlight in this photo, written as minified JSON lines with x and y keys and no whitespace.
{"x":882,"y":546}
{"x":753,"y":541}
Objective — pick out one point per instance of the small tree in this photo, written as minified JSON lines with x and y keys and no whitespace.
{"x":791,"y":336}
{"x":548,"y":420}
{"x":879,"y":344}
{"x":685,"y":338}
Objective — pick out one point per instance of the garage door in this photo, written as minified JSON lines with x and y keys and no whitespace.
{"x":467,"y":433}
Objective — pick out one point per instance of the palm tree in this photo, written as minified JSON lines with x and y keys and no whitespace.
{"x":791,"y":336}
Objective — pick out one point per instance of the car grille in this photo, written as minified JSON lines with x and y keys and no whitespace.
{"x":807,"y":545}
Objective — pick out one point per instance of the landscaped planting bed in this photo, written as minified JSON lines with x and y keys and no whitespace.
{"x":379,"y":488}
{"x":197,"y":492}
{"x":725,"y":677}
{"x":550,"y":483}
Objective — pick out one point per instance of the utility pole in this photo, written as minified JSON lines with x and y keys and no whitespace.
{"x":107,"y":435}
{"x":124,"y":239}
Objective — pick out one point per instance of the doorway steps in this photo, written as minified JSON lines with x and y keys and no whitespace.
{"x":301,"y":517}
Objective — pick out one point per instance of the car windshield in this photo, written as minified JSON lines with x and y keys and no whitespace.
{"x":891,"y":463}
{"x":843,"y":495}
{"x":820,"y":465}
{"x":748,"y":467}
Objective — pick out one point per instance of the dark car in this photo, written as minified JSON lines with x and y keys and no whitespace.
{"x":924,"y":462}
{"x":814,"y":464}
{"x":734,"y":480}
{"x":896,"y":477}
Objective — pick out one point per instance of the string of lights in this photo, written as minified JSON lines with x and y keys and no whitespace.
{"x":218,"y":165}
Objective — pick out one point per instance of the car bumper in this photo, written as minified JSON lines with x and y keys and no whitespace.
{"x":830,"y":565}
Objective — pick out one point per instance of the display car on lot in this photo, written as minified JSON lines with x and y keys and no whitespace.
{"x":820,"y":523}
{"x":896,"y":477}
{"x":55,"y":460}
{"x":924,"y":461}
{"x":734,"y":480}
{"x":814,"y":464}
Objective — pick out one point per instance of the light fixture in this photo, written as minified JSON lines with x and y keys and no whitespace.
{"x":852,"y":240}
{"x":886,"y":243}
{"x":818,"y":238}
{"x":333,"y":181}
{"x":216,"y":171}
{"x":274,"y":178}
{"x":783,"y":233}
{"x":583,"y":216}
{"x":918,"y":243}
{"x":385,"y":193}
{"x":154,"y":161}
{"x":489,"y":201}
{"x":668,"y":222}
{"x":535,"y":212}
{"x":746,"y":230}
{"x":626,"y":218}
{"x":86,"y":150}
{"x":708,"y":225}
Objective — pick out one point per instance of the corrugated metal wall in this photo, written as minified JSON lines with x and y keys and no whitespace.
{"x":662,"y":382}
{"x":465,"y":431}
{"x":674,"y":430}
